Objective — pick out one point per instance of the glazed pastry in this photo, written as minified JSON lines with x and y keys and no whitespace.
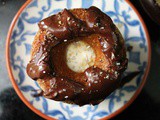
{"x":78,"y":56}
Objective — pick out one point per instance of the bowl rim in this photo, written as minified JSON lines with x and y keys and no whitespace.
{"x":22,"y":97}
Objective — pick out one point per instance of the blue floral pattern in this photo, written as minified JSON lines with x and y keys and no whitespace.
{"x":22,"y":37}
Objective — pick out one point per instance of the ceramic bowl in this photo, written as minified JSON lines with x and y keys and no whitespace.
{"x":21,"y":35}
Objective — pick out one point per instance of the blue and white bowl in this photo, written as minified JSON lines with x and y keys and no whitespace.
{"x":21,"y":36}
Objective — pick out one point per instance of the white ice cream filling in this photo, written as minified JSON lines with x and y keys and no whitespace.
{"x":80,"y":56}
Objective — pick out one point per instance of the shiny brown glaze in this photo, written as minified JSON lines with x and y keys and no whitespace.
{"x":95,"y":83}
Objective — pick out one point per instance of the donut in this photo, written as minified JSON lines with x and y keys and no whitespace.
{"x":78,"y":56}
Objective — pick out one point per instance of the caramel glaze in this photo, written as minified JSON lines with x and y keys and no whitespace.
{"x":97,"y":83}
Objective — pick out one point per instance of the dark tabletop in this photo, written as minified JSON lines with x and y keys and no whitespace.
{"x":146,"y":106}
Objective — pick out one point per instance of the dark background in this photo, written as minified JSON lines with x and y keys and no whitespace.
{"x":146,"y":106}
